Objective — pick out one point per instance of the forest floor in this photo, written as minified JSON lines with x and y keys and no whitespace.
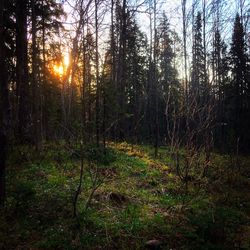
{"x":137,"y":199}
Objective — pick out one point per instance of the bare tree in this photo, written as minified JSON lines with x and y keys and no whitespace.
{"x":196,"y":140}
{"x":184,"y":34}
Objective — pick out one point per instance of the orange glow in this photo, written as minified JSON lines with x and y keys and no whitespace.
{"x":60,"y":68}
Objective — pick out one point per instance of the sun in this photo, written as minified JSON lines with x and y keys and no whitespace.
{"x":60,"y":68}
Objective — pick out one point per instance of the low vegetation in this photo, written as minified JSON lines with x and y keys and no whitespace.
{"x":127,"y":199}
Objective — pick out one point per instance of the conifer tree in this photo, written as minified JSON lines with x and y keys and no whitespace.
{"x":168,"y":82}
{"x":220,"y":71}
{"x":198,"y":79}
{"x":238,"y":92}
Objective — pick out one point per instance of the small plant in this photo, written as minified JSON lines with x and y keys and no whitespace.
{"x":99,"y":155}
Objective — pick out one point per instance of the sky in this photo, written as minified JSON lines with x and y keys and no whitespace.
{"x":173,"y":10}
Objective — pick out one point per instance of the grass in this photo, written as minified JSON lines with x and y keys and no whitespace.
{"x":140,"y":199}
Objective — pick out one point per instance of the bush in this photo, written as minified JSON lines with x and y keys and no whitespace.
{"x":99,"y":155}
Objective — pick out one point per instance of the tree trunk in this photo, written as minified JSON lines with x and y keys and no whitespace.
{"x":184,"y":21}
{"x":155,"y":82}
{"x":97,"y":77}
{"x":35,"y":84}
{"x":22,"y":70}
{"x":3,"y":107}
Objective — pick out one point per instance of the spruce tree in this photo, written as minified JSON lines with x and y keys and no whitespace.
{"x":124,"y":77}
{"x":168,"y":81}
{"x":198,"y":75}
{"x":220,"y":74}
{"x":239,"y":88}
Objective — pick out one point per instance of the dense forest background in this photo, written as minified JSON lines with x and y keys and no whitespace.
{"x":152,"y":86}
{"x":93,"y":74}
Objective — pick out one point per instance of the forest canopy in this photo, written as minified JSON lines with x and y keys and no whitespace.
{"x":126,"y":70}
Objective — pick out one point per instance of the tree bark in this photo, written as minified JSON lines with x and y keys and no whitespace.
{"x":97,"y":77}
{"x":184,"y":21}
{"x":35,"y":84}
{"x":3,"y":107}
{"x":22,"y":69}
{"x":155,"y":81}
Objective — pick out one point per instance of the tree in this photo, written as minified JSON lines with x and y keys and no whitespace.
{"x":97,"y":76}
{"x":198,"y":80}
{"x":184,"y":34}
{"x":122,"y":32}
{"x":155,"y":85}
{"x":238,"y":93}
{"x":35,"y":84}
{"x":3,"y":103}
{"x":22,"y":80}
{"x":46,"y":26}
{"x":152,"y":86}
{"x":2,"y":83}
{"x":135,"y":73}
{"x":88,"y":57}
{"x":169,"y":85}
{"x":124,"y":76}
{"x":220,"y":71}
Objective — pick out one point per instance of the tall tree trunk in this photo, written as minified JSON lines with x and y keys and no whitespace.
{"x":113,"y":68}
{"x":22,"y":70}
{"x":121,"y":81}
{"x":184,"y":33}
{"x":104,"y":116}
{"x":83,"y":92}
{"x":149,"y":100}
{"x":43,"y":119}
{"x":35,"y":84}
{"x":155,"y":82}
{"x":97,"y":77}
{"x":206,"y":83}
{"x":3,"y":106}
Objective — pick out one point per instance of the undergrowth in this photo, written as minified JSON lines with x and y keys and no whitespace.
{"x":140,"y":199}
